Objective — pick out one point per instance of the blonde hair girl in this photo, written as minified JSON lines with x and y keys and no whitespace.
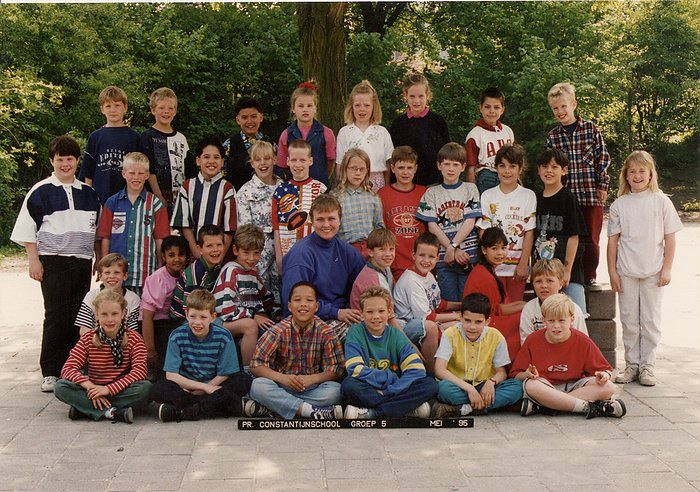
{"x":642,"y":228}
{"x":363,"y":115}
{"x":362,"y":209}
{"x":304,"y":103}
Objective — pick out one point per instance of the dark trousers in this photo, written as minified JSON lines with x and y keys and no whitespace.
{"x":65,"y":283}
{"x":162,"y":328}
{"x":225,"y":402}
{"x":360,"y":394}
{"x":593,"y":215}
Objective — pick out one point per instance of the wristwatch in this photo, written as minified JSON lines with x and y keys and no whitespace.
{"x":454,"y":245}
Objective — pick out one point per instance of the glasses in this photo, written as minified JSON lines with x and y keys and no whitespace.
{"x":353,"y":169}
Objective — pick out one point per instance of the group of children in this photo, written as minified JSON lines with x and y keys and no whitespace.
{"x":469,"y":327}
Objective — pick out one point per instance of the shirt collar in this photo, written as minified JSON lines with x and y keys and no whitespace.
{"x":122,"y":194}
{"x":216,"y":178}
{"x":420,"y":115}
{"x":57,"y":182}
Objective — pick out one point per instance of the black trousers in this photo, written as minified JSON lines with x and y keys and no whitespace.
{"x":224,"y":402}
{"x":65,"y":283}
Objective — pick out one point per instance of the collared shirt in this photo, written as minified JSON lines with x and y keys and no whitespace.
{"x":588,"y":160}
{"x":286,"y":349}
{"x":419,"y":115}
{"x":60,"y":218}
{"x":240,"y":294}
{"x":132,"y":230}
{"x":375,"y":140}
{"x":362,"y":213}
{"x":205,"y":201}
{"x":476,"y":361}
{"x":197,"y":275}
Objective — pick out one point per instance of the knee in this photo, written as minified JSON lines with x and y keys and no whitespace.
{"x":431,"y":329}
{"x":261,"y":386}
{"x":350,"y":386}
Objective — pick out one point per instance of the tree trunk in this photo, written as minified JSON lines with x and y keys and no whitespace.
{"x":322,"y":39}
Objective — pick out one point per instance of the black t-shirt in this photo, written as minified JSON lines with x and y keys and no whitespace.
{"x":559,"y":217}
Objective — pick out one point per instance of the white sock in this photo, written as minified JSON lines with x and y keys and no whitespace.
{"x":466,"y":409}
{"x":109,"y":413}
{"x":306,"y":409}
{"x":580,"y":406}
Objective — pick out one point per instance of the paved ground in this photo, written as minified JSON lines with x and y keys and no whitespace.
{"x":655,"y":447}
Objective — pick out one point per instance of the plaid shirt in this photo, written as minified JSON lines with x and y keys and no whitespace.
{"x":588,"y":160}
{"x":284,"y":349}
{"x":362,"y":213}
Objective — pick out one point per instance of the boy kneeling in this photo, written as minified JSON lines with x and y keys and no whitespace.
{"x":471,"y":364}
{"x":202,"y":375}
{"x":562,"y":369}
{"x":386,"y":377}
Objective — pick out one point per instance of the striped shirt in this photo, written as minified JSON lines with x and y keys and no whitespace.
{"x":197,"y":275}
{"x":100,"y":363}
{"x":201,"y":201}
{"x":201,"y":360}
{"x":132,"y":230}
{"x":362,"y":213}
{"x":86,"y":314}
{"x":292,"y":199}
{"x":588,"y":160}
{"x":60,"y":218}
{"x":240,"y":294}
{"x":283,"y":348}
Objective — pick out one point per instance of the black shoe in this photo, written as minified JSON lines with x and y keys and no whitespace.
{"x":606,"y":408}
{"x":75,"y":414}
{"x":168,"y":413}
{"x":593,"y":286}
{"x":124,"y":414}
{"x":191,"y":412}
{"x":331,"y":412}
{"x":528,"y":407}
{"x":252,"y":408}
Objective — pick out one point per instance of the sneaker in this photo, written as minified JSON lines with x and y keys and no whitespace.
{"x":443,"y":410}
{"x":124,"y":414}
{"x":631,"y":373}
{"x":606,"y":408}
{"x":252,"y":408}
{"x":593,"y":286}
{"x":353,"y":412}
{"x":330,"y":412}
{"x":528,"y":407}
{"x":168,"y":413}
{"x":48,"y":384}
{"x":422,"y":411}
{"x":75,"y":414}
{"x":646,"y":377}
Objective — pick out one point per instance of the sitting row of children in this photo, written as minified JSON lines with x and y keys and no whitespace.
{"x":299,"y":363}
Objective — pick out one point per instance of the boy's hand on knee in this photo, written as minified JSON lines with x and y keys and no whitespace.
{"x":263,"y":321}
{"x":475,"y":399}
{"x":602,"y":377}
{"x":488,"y":392}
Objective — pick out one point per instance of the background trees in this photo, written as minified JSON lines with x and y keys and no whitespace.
{"x":636,"y":66}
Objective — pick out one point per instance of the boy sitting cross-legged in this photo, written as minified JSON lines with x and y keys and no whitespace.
{"x":562,"y":369}
{"x":297,"y":364}
{"x":547,"y":277}
{"x":471,"y":363}
{"x":202,"y":375}
{"x":242,"y":301}
{"x":386,"y":376}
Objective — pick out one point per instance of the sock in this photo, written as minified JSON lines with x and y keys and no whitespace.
{"x":109,"y":413}
{"x":246,"y":369}
{"x":580,"y":406}
{"x":306,"y":410}
{"x":466,"y":409}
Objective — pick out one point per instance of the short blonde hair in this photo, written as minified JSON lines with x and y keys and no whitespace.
{"x":375,"y":291}
{"x":262,"y":149}
{"x":562,"y":89}
{"x":249,"y":237}
{"x":363,"y":87}
{"x":558,"y":306}
{"x":552,"y":267}
{"x":639,"y":158}
{"x":136,"y":158}
{"x":326,"y":203}
{"x":113,"y":93}
{"x":111,"y":259}
{"x":201,"y":300}
{"x":159,"y":94}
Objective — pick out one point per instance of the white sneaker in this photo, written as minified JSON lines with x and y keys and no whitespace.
{"x":48,"y":384}
{"x":646,"y":377}
{"x":631,"y":373}
{"x":422,"y":411}
{"x":353,"y":412}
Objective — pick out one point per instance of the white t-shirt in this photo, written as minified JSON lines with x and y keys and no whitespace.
{"x":642,"y":220}
{"x":531,"y":319}
{"x":415,"y":295}
{"x":375,"y":140}
{"x":515,"y":214}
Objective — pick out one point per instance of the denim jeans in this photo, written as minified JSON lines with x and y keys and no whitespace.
{"x":451,"y":279}
{"x":577,"y":294}
{"x":360,"y":394}
{"x":505,"y":393}
{"x":486,"y":179}
{"x":285,"y":401}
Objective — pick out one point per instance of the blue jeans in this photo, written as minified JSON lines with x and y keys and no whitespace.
{"x":134,"y":395}
{"x":506,"y":393}
{"x":285,"y":401}
{"x":451,"y":279}
{"x":577,"y":294}
{"x":486,"y":179}
{"x":360,"y":394}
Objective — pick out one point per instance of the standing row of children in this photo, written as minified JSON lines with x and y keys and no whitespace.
{"x":442,"y":212}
